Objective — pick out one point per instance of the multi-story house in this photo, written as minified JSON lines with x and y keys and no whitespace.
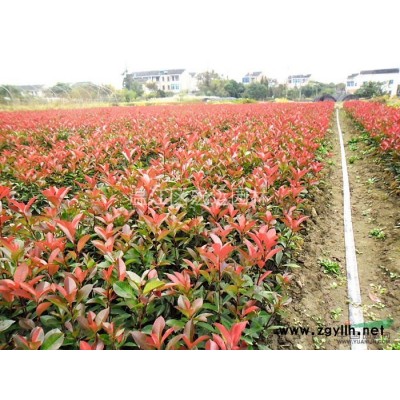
{"x":294,"y":81}
{"x":252,"y":77}
{"x":258,"y":77}
{"x":168,"y":80}
{"x":389,"y":78}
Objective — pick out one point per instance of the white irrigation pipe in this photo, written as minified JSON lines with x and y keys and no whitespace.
{"x":353,"y":284}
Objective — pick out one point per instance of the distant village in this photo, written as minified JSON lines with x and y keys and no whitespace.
{"x":209,"y":84}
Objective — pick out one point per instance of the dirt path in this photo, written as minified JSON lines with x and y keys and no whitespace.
{"x":320,"y":297}
{"x":376,"y":213}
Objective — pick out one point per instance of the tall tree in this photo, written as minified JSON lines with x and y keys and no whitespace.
{"x":234,"y":89}
{"x":256,"y":91}
{"x":206,"y":82}
{"x":9,"y":92}
{"x":370,"y":89}
{"x":60,"y":89}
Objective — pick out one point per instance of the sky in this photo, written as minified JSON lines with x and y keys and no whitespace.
{"x":44,"y":42}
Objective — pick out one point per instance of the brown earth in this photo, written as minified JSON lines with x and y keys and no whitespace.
{"x":374,"y":206}
{"x":320,"y":299}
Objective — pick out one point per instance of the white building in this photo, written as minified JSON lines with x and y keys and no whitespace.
{"x":168,"y":80}
{"x":252,"y":77}
{"x":258,"y":76}
{"x":31,"y":90}
{"x":389,"y":78}
{"x":294,"y":81}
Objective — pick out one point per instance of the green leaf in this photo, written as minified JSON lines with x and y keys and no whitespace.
{"x":83,"y":293}
{"x":5,"y":324}
{"x":231,"y":290}
{"x":209,"y":306}
{"x":124,"y":289}
{"x":49,"y":321}
{"x":134,"y":277}
{"x":247,"y":340}
{"x":267,"y":294}
{"x":175,"y":323}
{"x":53,"y":340}
{"x":59,"y":303}
{"x":152,"y":285}
{"x":278,"y":258}
{"x":147,"y":329}
{"x":253,"y":332}
{"x":206,"y":326}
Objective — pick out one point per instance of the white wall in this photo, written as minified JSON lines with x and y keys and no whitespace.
{"x":384,"y":78}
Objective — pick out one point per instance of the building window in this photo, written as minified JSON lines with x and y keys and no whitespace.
{"x":246,"y":80}
{"x":174,"y":86}
{"x":391,"y":82}
{"x":350,"y":83}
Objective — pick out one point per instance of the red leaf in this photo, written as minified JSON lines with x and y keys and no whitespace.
{"x":69,"y":285}
{"x":158,"y":327}
{"x":84,"y":345}
{"x":141,"y":340}
{"x":41,"y":308}
{"x":237,"y":330}
{"x":82,"y":241}
{"x":121,"y":269}
{"x":211,"y":345}
{"x":21,"y":273}
{"x":102,"y":316}
{"x":37,"y":335}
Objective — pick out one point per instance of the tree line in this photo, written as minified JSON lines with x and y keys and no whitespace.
{"x":210,"y":83}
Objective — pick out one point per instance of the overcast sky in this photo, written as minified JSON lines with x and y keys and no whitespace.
{"x":42,"y":42}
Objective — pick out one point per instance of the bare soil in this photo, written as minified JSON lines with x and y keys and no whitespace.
{"x":320,"y":299}
{"x":374,"y":206}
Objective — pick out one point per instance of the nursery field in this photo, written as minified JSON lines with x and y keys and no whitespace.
{"x":152,"y":227}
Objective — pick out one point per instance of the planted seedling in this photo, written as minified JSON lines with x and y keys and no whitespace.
{"x":336,"y":313}
{"x":353,"y":159}
{"x":372,"y":180}
{"x":319,"y":343}
{"x":330,"y":267}
{"x":377,"y":233}
{"x":353,"y":146}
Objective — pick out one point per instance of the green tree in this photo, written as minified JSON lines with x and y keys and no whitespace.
{"x":217,"y":88}
{"x":60,"y":89}
{"x":152,"y":86}
{"x":126,"y":95}
{"x":9,"y":93}
{"x":314,"y":89}
{"x":130,"y":84}
{"x":256,"y":91}
{"x":137,"y":87}
{"x":294,"y":93}
{"x":340,"y":87}
{"x":206,"y":83}
{"x":127,"y":81}
{"x":85,"y":91}
{"x":234,"y":89}
{"x":279,"y":91}
{"x":370,"y":89}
